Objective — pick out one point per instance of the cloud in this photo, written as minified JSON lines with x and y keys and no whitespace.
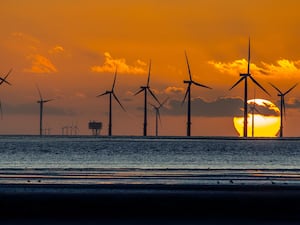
{"x":111,"y":64}
{"x":283,"y":67}
{"x":221,"y":107}
{"x":40,"y":64}
{"x":56,"y":50}
{"x":174,"y":90}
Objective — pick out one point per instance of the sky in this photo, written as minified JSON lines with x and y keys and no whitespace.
{"x":70,"y":50}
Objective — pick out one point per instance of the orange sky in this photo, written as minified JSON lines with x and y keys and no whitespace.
{"x":70,"y":49}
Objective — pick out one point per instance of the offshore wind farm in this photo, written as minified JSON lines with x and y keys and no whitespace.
{"x":146,"y":89}
{"x":165,"y":112}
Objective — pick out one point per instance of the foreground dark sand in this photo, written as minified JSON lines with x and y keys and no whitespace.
{"x":149,"y":204}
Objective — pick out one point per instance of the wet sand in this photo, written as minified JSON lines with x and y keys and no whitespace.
{"x":139,"y":203}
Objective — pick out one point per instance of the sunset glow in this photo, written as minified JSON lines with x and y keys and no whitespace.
{"x":70,"y":49}
{"x":266,"y":120}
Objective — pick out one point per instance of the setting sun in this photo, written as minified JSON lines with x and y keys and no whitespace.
{"x":263,"y":119}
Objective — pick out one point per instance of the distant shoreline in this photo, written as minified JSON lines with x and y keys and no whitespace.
{"x":155,"y":137}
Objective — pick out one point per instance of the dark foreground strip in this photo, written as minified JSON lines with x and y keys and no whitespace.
{"x":98,"y":202}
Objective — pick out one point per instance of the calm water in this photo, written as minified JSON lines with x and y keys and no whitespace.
{"x":136,"y":159}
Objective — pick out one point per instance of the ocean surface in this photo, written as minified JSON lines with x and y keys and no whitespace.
{"x":138,"y":160}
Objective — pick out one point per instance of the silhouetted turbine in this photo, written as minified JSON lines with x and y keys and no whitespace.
{"x":3,"y":80}
{"x":157,"y":115}
{"x":244,"y":77}
{"x":188,"y":94}
{"x":282,"y":105}
{"x":145,"y":89}
{"x":41,"y":102}
{"x":111,"y":93}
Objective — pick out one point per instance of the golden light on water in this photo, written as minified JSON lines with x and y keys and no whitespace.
{"x":266,"y":119}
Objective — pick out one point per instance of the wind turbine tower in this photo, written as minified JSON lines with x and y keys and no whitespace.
{"x":41,"y":102}
{"x":188,"y":95}
{"x":282,"y":105}
{"x":157,"y":115}
{"x":111,"y":94}
{"x":244,"y":77}
{"x":145,"y":89}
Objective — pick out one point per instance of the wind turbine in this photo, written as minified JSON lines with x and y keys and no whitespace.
{"x":157,"y":115}
{"x":145,"y":89}
{"x":188,"y":94}
{"x":244,"y":77}
{"x":3,"y":80}
{"x":282,"y":105}
{"x":41,"y":102}
{"x":111,"y":93}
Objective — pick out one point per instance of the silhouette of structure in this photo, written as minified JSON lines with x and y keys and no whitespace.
{"x":145,"y":89}
{"x":157,"y":115}
{"x":95,"y":127}
{"x":244,"y":77}
{"x":188,"y":95}
{"x":282,"y":105}
{"x":3,"y":80}
{"x":41,"y":102}
{"x":111,"y":93}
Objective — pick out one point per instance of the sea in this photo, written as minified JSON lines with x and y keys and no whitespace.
{"x":149,"y":160}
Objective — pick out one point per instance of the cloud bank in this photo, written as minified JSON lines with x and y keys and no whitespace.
{"x":282,"y":67}
{"x":110,"y":64}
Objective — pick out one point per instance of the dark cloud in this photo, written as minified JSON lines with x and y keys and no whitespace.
{"x":221,"y":107}
{"x":294,"y":104}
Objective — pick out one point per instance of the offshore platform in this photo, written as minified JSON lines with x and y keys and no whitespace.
{"x":95,"y":127}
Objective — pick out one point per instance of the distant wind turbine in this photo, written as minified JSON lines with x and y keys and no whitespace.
{"x":188,"y":94}
{"x":41,"y":102}
{"x":244,"y":77}
{"x":145,"y":89}
{"x":157,"y":115}
{"x":111,"y":93}
{"x":3,"y":80}
{"x":282,"y":105}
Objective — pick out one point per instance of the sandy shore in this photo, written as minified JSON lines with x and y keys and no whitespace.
{"x":150,"y":202}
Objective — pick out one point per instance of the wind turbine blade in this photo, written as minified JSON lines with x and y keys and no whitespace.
{"x":149,"y":72}
{"x":3,"y":80}
{"x":105,"y":93}
{"x":201,"y":85}
{"x":276,"y":88}
{"x":114,"y":83}
{"x":40,"y":94}
{"x":188,"y":65}
{"x":142,"y":89}
{"x":158,"y":115}
{"x":48,"y":100}
{"x":261,"y":87}
{"x":153,"y":105}
{"x":164,"y":102}
{"x":248,"y":69}
{"x":153,"y":95}
{"x":118,"y":101}
{"x":239,"y":81}
{"x":186,"y":93}
{"x":288,"y":91}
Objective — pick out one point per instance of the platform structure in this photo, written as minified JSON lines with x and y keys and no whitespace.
{"x":95,"y":127}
